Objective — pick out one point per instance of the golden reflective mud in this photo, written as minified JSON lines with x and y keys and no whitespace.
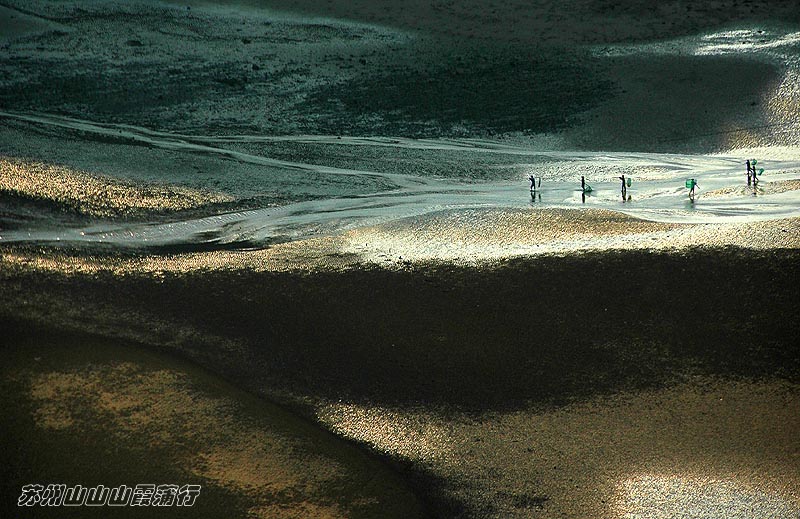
{"x":708,"y":448}
{"x":112,"y":413}
{"x":93,"y":195}
{"x":576,"y":384}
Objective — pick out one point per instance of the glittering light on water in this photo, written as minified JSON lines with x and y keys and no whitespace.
{"x":744,"y":40}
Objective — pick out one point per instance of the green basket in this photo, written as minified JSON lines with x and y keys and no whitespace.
{"x":628,"y":181}
{"x":690,"y":183}
{"x":760,"y":171}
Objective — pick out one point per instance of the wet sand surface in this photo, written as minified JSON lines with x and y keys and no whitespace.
{"x":596,"y":381}
{"x":82,"y":409}
{"x":478,"y":237}
{"x":587,"y":76}
{"x":76,"y":192}
{"x":705,"y":448}
{"x":287,"y":250}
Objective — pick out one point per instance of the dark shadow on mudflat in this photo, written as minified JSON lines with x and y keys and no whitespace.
{"x":542,"y":330}
{"x":681,"y":104}
{"x":463,"y":91}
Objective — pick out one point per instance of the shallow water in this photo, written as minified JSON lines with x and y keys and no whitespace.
{"x":381,"y":194}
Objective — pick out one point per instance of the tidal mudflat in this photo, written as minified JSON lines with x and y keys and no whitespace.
{"x":288,"y":251}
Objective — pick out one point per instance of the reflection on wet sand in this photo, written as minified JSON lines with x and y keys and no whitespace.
{"x":507,"y":388}
{"x":104,"y":407}
{"x":240,"y":186}
{"x":708,"y":449}
{"x":771,"y":188}
{"x":475,"y":236}
{"x":66,"y":189}
{"x":657,"y":496}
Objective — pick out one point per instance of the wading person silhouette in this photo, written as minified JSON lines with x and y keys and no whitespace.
{"x":691,"y":184}
{"x":584,"y":189}
{"x":748,"y":171}
{"x":624,"y":187}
